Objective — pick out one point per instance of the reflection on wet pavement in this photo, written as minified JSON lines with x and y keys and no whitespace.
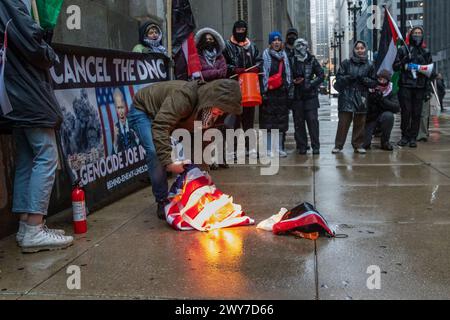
{"x":394,"y":207}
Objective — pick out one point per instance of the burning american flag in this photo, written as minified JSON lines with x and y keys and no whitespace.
{"x":196,"y":204}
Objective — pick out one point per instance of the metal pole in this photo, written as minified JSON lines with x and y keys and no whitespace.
{"x":403,"y":28}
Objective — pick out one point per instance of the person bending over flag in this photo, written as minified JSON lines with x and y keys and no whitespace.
{"x":160,"y":109}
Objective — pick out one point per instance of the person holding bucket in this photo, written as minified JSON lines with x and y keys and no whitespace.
{"x":242,"y":56}
{"x":274,"y":114}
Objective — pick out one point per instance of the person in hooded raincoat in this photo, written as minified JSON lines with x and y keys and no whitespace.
{"x":33,"y":121}
{"x":353,"y":81}
{"x":150,"y":39}
{"x":159,"y":109}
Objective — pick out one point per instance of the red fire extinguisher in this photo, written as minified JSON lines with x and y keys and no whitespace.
{"x":79,"y":209}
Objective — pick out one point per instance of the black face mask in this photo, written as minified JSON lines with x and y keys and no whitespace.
{"x":291,"y":40}
{"x":417,"y":40}
{"x":240,"y":37}
{"x":210,"y":46}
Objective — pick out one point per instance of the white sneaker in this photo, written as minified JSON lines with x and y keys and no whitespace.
{"x":361,"y":151}
{"x":282,"y":154}
{"x":38,"y":238}
{"x":22,"y":227}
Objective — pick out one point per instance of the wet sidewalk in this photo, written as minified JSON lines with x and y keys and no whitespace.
{"x":395,"y":208}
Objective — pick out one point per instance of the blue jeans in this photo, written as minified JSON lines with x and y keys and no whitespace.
{"x":36,"y":164}
{"x":141,"y":124}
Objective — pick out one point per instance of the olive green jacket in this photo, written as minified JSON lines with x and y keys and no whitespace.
{"x":178,"y":104}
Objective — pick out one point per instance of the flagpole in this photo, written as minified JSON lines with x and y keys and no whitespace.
{"x":169,"y":37}
{"x":35,"y":12}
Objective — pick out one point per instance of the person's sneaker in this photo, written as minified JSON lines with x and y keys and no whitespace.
{"x":423,"y":140}
{"x":302,"y":152}
{"x":403,"y":143}
{"x":387,"y":147}
{"x":360,"y":151}
{"x":282,"y":154}
{"x":38,"y":238}
{"x":162,"y":209}
{"x":413,"y":144}
{"x":22,"y":228}
{"x":224,"y":166}
{"x":336,"y":151}
{"x":316,"y":152}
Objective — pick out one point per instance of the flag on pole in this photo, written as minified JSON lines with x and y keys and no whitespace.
{"x":391,"y":40}
{"x":187,"y":61}
{"x":5,"y":104}
{"x":49,"y":11}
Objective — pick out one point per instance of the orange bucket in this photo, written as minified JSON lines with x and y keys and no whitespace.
{"x":251,"y":91}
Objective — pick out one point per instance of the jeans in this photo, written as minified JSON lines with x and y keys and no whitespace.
{"x":36,"y":164}
{"x":141,"y":124}
{"x":386,"y":123}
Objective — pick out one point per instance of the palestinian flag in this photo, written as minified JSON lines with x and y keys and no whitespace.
{"x":49,"y":11}
{"x":187,"y":61}
{"x":391,"y":40}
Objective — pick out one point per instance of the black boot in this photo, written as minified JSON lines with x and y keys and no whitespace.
{"x":404,"y":142}
{"x":413,"y":143}
{"x":162,"y":209}
{"x":387,"y":146}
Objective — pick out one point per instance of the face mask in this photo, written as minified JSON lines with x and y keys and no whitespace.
{"x":417,"y":40}
{"x":210,"y":46}
{"x":291,"y":40}
{"x":240,"y":37}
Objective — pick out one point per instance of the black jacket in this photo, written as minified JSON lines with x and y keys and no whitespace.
{"x":419,"y":55}
{"x":29,"y":59}
{"x":352,"y":82}
{"x":440,"y":87}
{"x":377,"y":105}
{"x":313,"y":74}
{"x":240,"y":57}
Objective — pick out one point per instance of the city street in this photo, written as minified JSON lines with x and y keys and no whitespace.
{"x":394,"y":207}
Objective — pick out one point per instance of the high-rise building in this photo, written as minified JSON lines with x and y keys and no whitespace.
{"x":437,"y":24}
{"x":322,"y":22}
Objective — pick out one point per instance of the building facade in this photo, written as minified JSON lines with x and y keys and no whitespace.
{"x":322,"y":28}
{"x":437,"y":24}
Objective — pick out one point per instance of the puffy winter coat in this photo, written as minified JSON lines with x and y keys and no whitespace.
{"x":177,"y":104}
{"x":219,"y":69}
{"x":312,"y":72}
{"x":27,"y":79}
{"x":353,"y":80}
{"x":240,"y":56}
{"x":274,"y":112}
